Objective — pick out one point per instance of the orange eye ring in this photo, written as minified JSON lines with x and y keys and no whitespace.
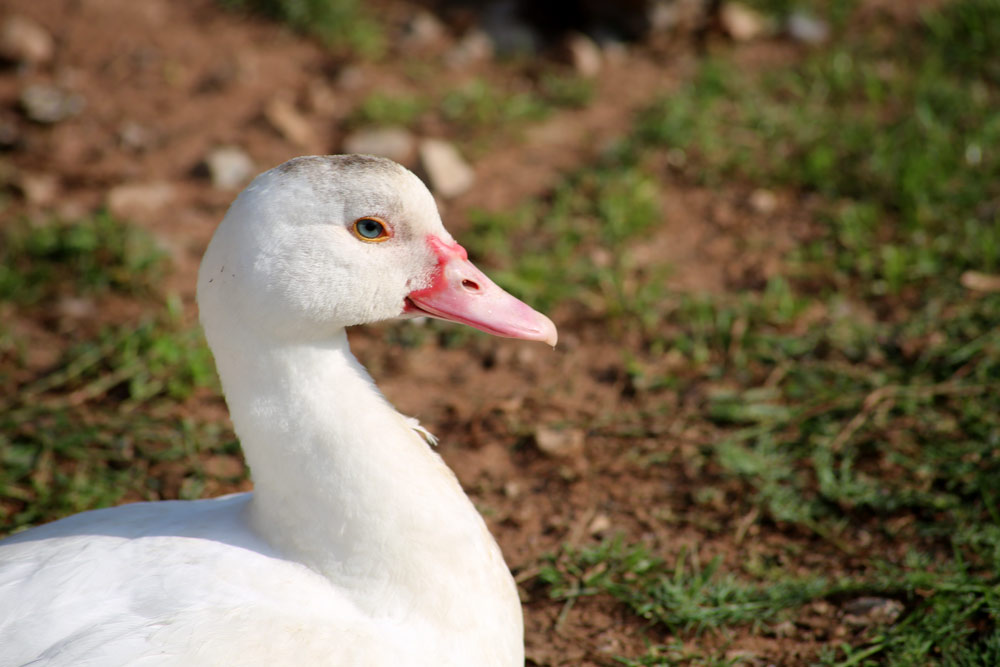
{"x":371,"y":229}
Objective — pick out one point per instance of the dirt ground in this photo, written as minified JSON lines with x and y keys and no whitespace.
{"x":164,"y":82}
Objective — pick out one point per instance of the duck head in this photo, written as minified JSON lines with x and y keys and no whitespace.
{"x":324,"y":242}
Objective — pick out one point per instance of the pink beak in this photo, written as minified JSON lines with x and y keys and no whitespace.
{"x":462,"y":293}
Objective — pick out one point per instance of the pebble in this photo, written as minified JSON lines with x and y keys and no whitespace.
{"x":980,"y":282}
{"x":448,"y":173}
{"x":38,"y":189}
{"x":763,"y":201}
{"x":321,"y":99}
{"x":784,"y":629}
{"x":806,"y":28}
{"x":474,"y":47}
{"x":44,"y":103}
{"x":740,"y":22}
{"x":133,"y":200}
{"x":76,"y":308}
{"x":662,"y":16}
{"x":600,"y":524}
{"x":560,"y":443}
{"x":584,"y":55}
{"x":395,"y":143}
{"x":423,"y":29}
{"x":351,"y":77}
{"x":229,"y":167}
{"x":872,"y":611}
{"x":289,"y":123}
{"x":24,"y":41}
{"x":136,"y":136}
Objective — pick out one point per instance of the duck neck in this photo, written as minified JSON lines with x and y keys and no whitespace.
{"x":345,"y":486}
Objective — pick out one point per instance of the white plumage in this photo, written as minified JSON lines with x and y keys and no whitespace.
{"x":357,"y":546}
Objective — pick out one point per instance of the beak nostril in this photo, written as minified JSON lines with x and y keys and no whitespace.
{"x":470,"y":285}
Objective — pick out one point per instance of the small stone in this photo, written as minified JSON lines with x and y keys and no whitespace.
{"x":229,"y":167}
{"x":48,"y":104}
{"x":395,"y":143}
{"x":784,"y":629}
{"x":423,"y":29}
{"x":601,"y":523}
{"x":512,"y":489}
{"x":763,"y":201}
{"x":806,"y":28}
{"x":39,"y":189}
{"x":351,"y":78}
{"x":584,"y":55}
{"x":870,"y":610}
{"x":135,"y":136}
{"x":980,"y":282}
{"x":740,"y":22}
{"x":24,"y":41}
{"x":321,"y":99}
{"x":742,"y":657}
{"x":474,"y":47}
{"x":662,"y":16}
{"x":76,"y":308}
{"x":289,"y":123}
{"x":132,"y":200}
{"x":565,"y":443}
{"x":448,"y":173}
{"x":601,"y":257}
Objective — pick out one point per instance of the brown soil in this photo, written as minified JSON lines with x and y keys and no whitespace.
{"x":194,"y":77}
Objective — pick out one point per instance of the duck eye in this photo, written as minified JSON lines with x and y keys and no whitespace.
{"x":370,"y":229}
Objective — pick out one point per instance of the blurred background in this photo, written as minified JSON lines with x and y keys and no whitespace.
{"x":768,"y":230}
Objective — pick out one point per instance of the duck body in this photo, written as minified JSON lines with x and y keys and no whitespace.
{"x":357,"y":546}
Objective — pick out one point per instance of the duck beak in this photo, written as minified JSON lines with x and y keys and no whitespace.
{"x":459,"y":292}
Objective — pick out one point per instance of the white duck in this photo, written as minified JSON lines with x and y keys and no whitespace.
{"x":357,"y":546}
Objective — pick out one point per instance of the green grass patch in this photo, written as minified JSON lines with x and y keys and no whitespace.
{"x":898,"y":138}
{"x":40,"y":261}
{"x":946,"y":614}
{"x":384,"y":109}
{"x":572,"y":245}
{"x":861,"y":385}
{"x":338,"y":24}
{"x":98,"y":425}
{"x":683,"y":596}
{"x":476,"y":108}
{"x":480,"y":104}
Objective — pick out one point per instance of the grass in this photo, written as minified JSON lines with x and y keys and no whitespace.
{"x":683,"y":596}
{"x":478,"y":111}
{"x":690,"y":599}
{"x":579,"y":252}
{"x":98,"y":425}
{"x":861,"y":382}
{"x":40,"y":261}
{"x":899,"y":151}
{"x":341,"y":25}
{"x":385,"y":109}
